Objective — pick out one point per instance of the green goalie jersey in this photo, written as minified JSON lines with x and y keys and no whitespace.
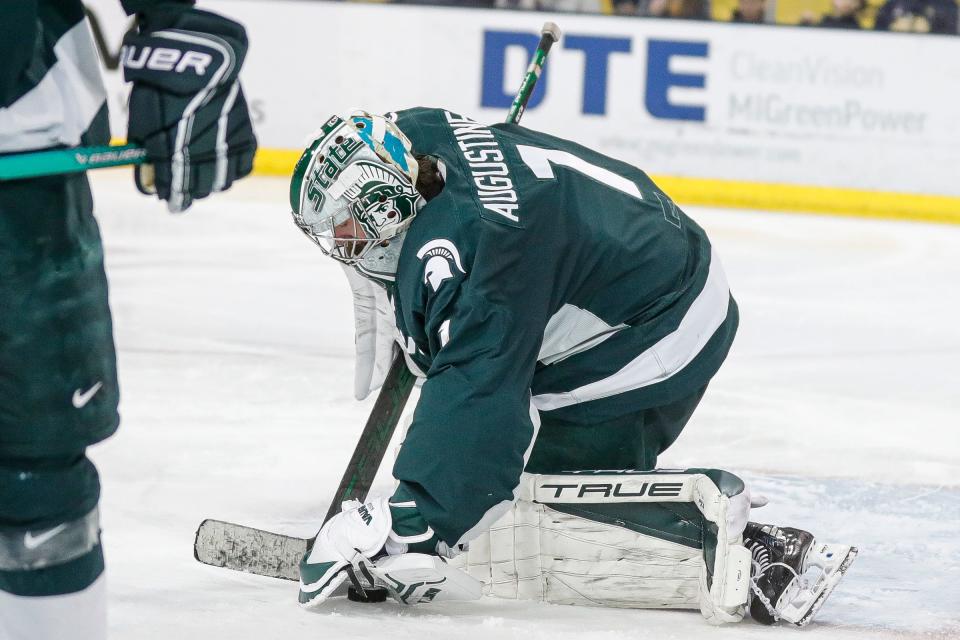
{"x":548,"y":276}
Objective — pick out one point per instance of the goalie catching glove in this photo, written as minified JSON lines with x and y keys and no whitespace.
{"x":366,"y":543}
{"x":186,"y":106}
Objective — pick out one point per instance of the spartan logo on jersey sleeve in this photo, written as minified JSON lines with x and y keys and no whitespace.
{"x":442,"y":258}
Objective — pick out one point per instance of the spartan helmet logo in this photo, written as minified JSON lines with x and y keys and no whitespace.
{"x":442,"y":258}
{"x":381,"y":199}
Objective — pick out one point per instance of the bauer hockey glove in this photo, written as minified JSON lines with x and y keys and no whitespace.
{"x":186,"y":106}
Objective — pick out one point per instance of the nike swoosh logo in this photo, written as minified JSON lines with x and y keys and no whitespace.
{"x":31,"y":541}
{"x":81,"y":398}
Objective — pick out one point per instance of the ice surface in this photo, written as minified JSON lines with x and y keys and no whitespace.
{"x":839,"y":401}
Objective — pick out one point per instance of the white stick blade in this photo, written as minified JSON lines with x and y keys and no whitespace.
{"x":234,"y":546}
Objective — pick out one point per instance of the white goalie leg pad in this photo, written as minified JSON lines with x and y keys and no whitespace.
{"x":539,"y":552}
{"x":725,"y":589}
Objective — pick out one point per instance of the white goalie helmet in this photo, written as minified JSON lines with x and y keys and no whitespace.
{"x":352,"y":190}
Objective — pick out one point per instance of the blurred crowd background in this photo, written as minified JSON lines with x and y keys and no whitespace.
{"x":913,"y":16}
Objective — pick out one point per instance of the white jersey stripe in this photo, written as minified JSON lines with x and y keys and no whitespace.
{"x":61,"y":107}
{"x":572,"y":330}
{"x":668,"y":356}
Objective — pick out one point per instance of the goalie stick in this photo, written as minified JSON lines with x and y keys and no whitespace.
{"x":241,"y":548}
{"x":262,"y":553}
{"x":233,"y":546}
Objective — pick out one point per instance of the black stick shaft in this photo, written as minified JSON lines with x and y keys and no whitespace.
{"x":375,"y":438}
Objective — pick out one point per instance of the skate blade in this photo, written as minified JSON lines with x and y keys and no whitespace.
{"x":802,"y":616}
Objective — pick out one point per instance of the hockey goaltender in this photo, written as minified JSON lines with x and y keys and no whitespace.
{"x":565,"y":317}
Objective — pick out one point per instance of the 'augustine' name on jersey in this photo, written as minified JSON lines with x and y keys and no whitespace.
{"x":490,"y":175}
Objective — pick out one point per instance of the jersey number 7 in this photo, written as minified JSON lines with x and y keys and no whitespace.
{"x":541,"y":162}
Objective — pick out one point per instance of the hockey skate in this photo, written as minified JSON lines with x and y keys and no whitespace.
{"x":792,"y":573}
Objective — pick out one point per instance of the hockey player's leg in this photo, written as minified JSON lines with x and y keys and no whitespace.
{"x":58,"y":377}
{"x":657,"y":539}
{"x":58,"y":394}
{"x":636,"y":540}
{"x":661,"y":539}
{"x":632,"y":441}
{"x":51,"y":562}
{"x":635,"y":442}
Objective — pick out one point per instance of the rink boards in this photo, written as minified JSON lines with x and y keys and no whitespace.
{"x":723,"y":114}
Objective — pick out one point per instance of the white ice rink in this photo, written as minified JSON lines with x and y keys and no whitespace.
{"x":840,"y":401}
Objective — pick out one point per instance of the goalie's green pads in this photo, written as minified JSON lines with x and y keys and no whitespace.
{"x":658,"y":539}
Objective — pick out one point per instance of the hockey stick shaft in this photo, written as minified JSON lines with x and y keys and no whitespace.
{"x":375,"y":438}
{"x":58,"y":161}
{"x":549,"y":34}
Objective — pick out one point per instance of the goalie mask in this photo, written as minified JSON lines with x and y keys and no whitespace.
{"x":353,"y":190}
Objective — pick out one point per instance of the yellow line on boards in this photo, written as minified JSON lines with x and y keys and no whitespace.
{"x":810,"y":199}
{"x":275,"y":162}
